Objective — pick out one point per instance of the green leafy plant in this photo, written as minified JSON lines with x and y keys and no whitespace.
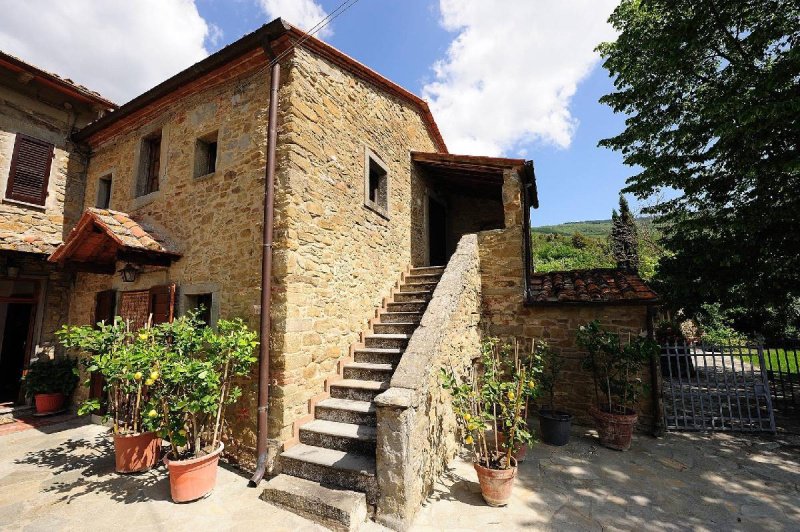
{"x":616,"y":368}
{"x":51,"y":376}
{"x":129,"y":364}
{"x":491,"y":402}
{"x":199,"y":369}
{"x":716,"y":326}
{"x":547,"y":366}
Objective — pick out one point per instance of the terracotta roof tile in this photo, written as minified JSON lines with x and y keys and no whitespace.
{"x":589,"y":286}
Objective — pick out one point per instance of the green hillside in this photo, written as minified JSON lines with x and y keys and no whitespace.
{"x":594,"y":228}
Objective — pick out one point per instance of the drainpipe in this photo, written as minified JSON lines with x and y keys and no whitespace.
{"x":266,"y":275}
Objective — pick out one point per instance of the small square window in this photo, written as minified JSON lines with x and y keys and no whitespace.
{"x":376,"y":184}
{"x":205,"y":155}
{"x":149,"y":165}
{"x":103,"y":192}
{"x":202,"y":304}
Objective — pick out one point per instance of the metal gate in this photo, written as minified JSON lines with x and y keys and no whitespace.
{"x":715,"y":389}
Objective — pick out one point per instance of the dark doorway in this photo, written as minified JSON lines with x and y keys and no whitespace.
{"x":13,"y":352}
{"x":437,"y":233}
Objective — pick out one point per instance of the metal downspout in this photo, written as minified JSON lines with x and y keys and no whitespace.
{"x":266,"y":276}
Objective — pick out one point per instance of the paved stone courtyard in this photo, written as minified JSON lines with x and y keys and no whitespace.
{"x":60,"y":477}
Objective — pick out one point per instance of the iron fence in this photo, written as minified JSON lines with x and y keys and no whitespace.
{"x":712,"y":388}
{"x":782,"y":365}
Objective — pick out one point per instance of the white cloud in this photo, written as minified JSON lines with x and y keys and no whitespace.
{"x":305,"y":14}
{"x":119,"y":48}
{"x":511,"y":71}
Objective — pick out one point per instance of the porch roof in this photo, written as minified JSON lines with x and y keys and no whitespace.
{"x":102,"y":236}
{"x":604,"y":286}
{"x":472,"y":170}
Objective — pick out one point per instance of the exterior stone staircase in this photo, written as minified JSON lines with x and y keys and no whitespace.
{"x":330,"y":474}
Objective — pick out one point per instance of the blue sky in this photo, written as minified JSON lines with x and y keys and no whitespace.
{"x":402,"y":40}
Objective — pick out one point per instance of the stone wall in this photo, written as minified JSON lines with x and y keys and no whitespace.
{"x":504,"y":314}
{"x":416,"y":424}
{"x":215,"y":221}
{"x":341,"y":258}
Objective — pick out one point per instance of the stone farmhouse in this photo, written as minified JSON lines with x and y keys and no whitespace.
{"x":282,"y":181}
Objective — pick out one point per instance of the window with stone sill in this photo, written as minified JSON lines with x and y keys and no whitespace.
{"x":103,"y":192}
{"x":376,"y":184}
{"x":205,"y":155}
{"x":149,"y":165}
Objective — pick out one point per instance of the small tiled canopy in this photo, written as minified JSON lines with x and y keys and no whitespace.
{"x":102,"y":237}
{"x":600,"y":286}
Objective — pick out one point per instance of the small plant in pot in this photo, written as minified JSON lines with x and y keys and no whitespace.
{"x":198,"y":382}
{"x":616,"y":370}
{"x":129,"y":364}
{"x":50,"y":382}
{"x":489,"y":406}
{"x":554,"y":425}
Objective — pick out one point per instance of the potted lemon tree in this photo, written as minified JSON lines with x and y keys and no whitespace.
{"x":198,"y":382}
{"x":50,"y":382}
{"x":554,"y":424}
{"x":489,"y":405}
{"x":616,"y":370}
{"x":128,"y":362}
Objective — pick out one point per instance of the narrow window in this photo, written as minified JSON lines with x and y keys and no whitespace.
{"x":30,"y":170}
{"x":150,"y":164}
{"x":202,"y":304}
{"x":205,"y":155}
{"x":104,"y":192}
{"x":376,"y":184}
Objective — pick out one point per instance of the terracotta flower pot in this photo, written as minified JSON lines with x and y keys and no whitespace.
{"x":615,"y":430}
{"x":194,"y":478}
{"x":496,"y":484}
{"x":47,"y":403}
{"x":136,"y":452}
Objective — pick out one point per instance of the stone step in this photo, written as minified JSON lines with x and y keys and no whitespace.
{"x":346,"y":411}
{"x":401,"y":297}
{"x":394,"y":328}
{"x":427,"y":270}
{"x":400,"y":317}
{"x":351,"y":471}
{"x":368,"y":371}
{"x":422,"y":278}
{"x":419,"y":287}
{"x":378,"y":355}
{"x":348,"y":437}
{"x":335,"y":508}
{"x":406,"y":306}
{"x":397,"y":341}
{"x":357,"y":390}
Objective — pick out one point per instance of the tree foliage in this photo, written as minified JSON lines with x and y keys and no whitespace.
{"x":711,"y":89}
{"x":624,"y":239}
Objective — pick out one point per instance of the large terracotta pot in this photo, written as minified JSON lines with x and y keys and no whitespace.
{"x":47,"y":403}
{"x":496,"y":484}
{"x":615,"y":430}
{"x":194,"y":478}
{"x":136,"y":452}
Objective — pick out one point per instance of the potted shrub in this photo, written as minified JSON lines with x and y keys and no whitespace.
{"x":489,"y":405}
{"x":128,"y":362}
{"x":50,"y":382}
{"x":616,"y":370}
{"x":554,"y":425}
{"x":197,"y":384}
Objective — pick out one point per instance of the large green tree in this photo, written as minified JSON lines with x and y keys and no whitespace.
{"x":711,"y":90}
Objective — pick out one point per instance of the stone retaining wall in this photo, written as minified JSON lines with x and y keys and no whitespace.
{"x":416,"y":425}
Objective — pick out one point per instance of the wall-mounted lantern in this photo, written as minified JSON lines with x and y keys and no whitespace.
{"x":129,"y":273}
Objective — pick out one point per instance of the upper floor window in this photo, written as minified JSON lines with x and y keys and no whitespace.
{"x":150,"y":164}
{"x":376,"y":184}
{"x":205,"y":155}
{"x":103,"y":192}
{"x":30,"y":170}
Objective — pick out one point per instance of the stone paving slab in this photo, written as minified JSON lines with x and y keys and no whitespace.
{"x":63,"y":480}
{"x":684,"y":481}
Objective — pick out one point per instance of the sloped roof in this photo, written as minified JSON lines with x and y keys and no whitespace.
{"x":283,"y":34}
{"x":64,"y":85}
{"x":102,"y":236}
{"x":600,"y":286}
